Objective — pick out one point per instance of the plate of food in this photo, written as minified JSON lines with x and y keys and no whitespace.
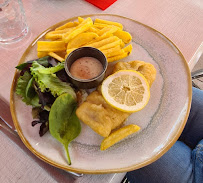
{"x":128,"y":120}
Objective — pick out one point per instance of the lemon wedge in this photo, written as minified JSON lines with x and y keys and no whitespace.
{"x":126,"y":90}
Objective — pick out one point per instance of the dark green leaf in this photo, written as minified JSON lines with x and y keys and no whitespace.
{"x":21,"y":66}
{"x":63,"y":122}
{"x":42,"y":61}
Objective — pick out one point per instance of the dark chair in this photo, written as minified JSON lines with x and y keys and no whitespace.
{"x":197,"y":77}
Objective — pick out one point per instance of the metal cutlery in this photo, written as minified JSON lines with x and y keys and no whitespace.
{"x":7,"y":127}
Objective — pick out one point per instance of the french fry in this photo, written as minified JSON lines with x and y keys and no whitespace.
{"x":103,"y":42}
{"x":57,"y":34}
{"x":122,"y":44}
{"x":94,"y":29}
{"x":53,"y":36}
{"x":41,"y":54}
{"x":79,"y":24}
{"x":78,"y":29}
{"x":61,"y":31}
{"x":102,"y":37}
{"x":110,"y":29}
{"x":80,"y":19}
{"x":97,"y":20}
{"x":125,"y":36}
{"x":67,"y":25}
{"x":111,"y":52}
{"x":82,"y":39}
{"x":127,"y":50}
{"x":118,"y":57}
{"x":111,"y":45}
{"x":76,"y":23}
{"x":51,"y":46}
{"x":118,"y":135}
{"x":57,"y":57}
{"x":100,"y":25}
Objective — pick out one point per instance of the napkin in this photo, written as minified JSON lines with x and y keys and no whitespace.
{"x":102,"y":4}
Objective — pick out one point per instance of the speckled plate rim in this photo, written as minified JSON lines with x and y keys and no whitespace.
{"x":69,"y":168}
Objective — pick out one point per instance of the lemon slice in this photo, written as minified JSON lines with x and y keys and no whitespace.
{"x":126,"y":90}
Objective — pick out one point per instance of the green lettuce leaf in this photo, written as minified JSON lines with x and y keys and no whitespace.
{"x":50,"y":70}
{"x":26,"y":90}
{"x":48,"y":81}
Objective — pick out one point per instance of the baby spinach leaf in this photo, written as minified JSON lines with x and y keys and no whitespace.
{"x":42,"y":61}
{"x":63,"y":122}
{"x":22,"y":66}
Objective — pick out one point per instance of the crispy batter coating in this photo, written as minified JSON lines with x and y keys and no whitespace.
{"x":146,"y":69}
{"x":99,"y":115}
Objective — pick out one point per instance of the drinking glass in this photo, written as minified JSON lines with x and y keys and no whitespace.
{"x":13,"y":26}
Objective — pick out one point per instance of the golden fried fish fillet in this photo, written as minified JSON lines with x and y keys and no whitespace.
{"x":146,"y":69}
{"x":99,"y":115}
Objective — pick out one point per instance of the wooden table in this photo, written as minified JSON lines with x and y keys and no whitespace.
{"x":181,"y":21}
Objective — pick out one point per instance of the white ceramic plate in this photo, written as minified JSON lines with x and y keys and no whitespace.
{"x":161,"y":121}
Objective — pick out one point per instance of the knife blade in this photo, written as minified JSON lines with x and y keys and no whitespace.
{"x":6,"y":114}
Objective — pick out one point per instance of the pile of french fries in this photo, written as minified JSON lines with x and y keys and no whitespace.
{"x":107,"y":36}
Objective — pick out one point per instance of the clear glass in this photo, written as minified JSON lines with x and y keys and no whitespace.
{"x":13,"y":26}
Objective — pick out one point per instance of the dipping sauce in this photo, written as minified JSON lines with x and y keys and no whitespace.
{"x":86,"y":68}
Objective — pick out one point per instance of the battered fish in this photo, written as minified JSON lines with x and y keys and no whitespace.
{"x":99,"y":115}
{"x":146,"y":69}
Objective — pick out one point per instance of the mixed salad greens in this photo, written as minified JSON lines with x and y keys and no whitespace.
{"x":44,"y":84}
